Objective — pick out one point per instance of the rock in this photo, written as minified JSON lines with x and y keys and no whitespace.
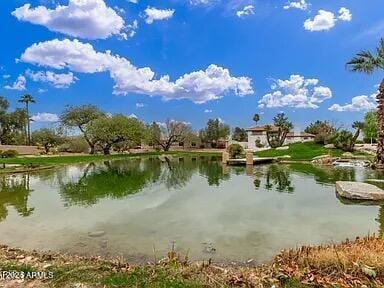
{"x":282,"y":148}
{"x":347,"y":155}
{"x":321,"y":157}
{"x":375,"y":180}
{"x":284,"y":157}
{"x":329,"y":146}
{"x":359,"y":191}
{"x":96,"y":234}
{"x":323,"y":160}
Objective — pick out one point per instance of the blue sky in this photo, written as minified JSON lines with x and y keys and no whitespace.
{"x":191,"y":60}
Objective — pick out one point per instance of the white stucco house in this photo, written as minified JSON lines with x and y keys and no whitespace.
{"x":257,"y":137}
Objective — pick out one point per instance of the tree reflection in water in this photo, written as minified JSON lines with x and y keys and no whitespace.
{"x":113,"y":179}
{"x":120,"y":178}
{"x":276,"y":177}
{"x":213,"y":170}
{"x":14,"y":191}
{"x":325,"y":174}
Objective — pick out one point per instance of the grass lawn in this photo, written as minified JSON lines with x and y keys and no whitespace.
{"x":304,"y":151}
{"x":62,"y":160}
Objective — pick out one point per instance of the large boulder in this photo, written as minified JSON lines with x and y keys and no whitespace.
{"x":347,"y":155}
{"x":359,"y":191}
{"x":323,"y":160}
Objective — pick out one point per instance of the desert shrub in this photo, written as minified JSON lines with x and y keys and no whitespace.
{"x":343,"y":140}
{"x":235,"y":150}
{"x":9,"y":154}
{"x":74,"y":145}
{"x":258,"y":143}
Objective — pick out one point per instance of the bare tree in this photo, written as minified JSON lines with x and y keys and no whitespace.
{"x":171,"y":132}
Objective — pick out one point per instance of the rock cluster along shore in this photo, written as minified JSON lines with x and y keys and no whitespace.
{"x":359,"y":191}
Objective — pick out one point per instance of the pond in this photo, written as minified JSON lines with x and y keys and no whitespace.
{"x":140,"y":208}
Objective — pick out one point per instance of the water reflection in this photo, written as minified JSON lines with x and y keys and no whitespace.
{"x":194,"y":202}
{"x":380,"y":220}
{"x":277,"y":177}
{"x":14,"y":191}
{"x":118,"y":179}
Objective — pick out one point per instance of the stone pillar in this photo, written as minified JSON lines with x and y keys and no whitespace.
{"x":249,"y":158}
{"x":249,"y":170}
{"x":225,"y":157}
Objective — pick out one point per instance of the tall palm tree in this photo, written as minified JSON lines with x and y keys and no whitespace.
{"x":367,"y":62}
{"x":26,"y":99}
{"x":358,"y":126}
{"x":256,"y":118}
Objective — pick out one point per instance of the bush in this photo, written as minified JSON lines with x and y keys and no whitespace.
{"x":235,"y":150}
{"x":9,"y":154}
{"x":74,"y":145}
{"x":258,"y":143}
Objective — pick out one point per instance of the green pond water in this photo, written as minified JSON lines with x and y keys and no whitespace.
{"x":139,"y":208}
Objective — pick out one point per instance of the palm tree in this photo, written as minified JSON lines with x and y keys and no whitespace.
{"x":358,"y":126}
{"x":367,"y":62}
{"x":256,"y":118}
{"x":26,"y":99}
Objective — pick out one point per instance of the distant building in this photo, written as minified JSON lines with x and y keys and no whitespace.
{"x":257,"y":137}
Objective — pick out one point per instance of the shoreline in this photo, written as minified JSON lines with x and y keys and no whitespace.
{"x":55,"y":161}
{"x":347,"y":264}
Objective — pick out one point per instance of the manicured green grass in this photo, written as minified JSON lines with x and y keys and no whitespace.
{"x":61,"y":160}
{"x":303,"y":151}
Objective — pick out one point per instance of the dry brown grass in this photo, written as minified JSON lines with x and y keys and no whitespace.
{"x":348,"y":264}
{"x":342,"y":265}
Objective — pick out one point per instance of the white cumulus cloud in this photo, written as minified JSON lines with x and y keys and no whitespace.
{"x":45,"y":117}
{"x":326,"y":20}
{"x":207,"y":111}
{"x":345,"y":14}
{"x":301,"y":5}
{"x":90,"y":19}
{"x":295,"y":92}
{"x":19,"y":84}
{"x":198,"y":86}
{"x":139,"y":105}
{"x":358,"y":103}
{"x":63,"y":80}
{"x":153,"y":14}
{"x":247,"y":10}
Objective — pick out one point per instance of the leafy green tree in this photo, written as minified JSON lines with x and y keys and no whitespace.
{"x":370,"y":126}
{"x":276,"y":135}
{"x":171,"y":132}
{"x":345,"y":140}
{"x":214,"y":131}
{"x":256,"y":118}
{"x":235,"y":151}
{"x":154,"y":132}
{"x":27,"y":99}
{"x":367,"y":62}
{"x":107,"y":131}
{"x":12,"y":124}
{"x":322,"y":130}
{"x":80,"y":117}
{"x":240,"y":135}
{"x":47,"y":138}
